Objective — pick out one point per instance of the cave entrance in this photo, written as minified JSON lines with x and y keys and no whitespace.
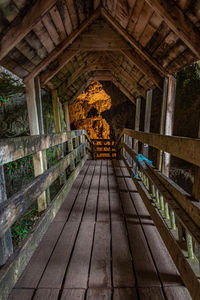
{"x":86,"y":111}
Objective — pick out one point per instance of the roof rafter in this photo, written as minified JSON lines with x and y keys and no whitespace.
{"x":22,"y":26}
{"x":133,"y":42}
{"x":113,"y":78}
{"x":62,"y":46}
{"x":178,"y":22}
{"x":144,"y":67}
{"x":91,"y":69}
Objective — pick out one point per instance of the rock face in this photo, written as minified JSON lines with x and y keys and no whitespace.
{"x":102,"y":110}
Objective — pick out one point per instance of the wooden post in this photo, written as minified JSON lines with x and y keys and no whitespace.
{"x":196,"y":185}
{"x":67,"y":119}
{"x":6,"y":247}
{"x":57,"y":122}
{"x":35,"y":130}
{"x":162,"y":122}
{"x":171,"y":97}
{"x":137,"y":121}
{"x":147,"y":120}
{"x":41,"y":125}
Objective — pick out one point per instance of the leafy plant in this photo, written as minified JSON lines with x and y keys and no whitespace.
{"x":23,"y":226}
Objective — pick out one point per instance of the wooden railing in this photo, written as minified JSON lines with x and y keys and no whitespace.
{"x":175,"y":213}
{"x":78,"y":146}
{"x":103,"y":149}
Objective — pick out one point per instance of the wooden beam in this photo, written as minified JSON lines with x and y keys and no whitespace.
{"x":11,"y":272}
{"x":67,"y":118}
{"x":38,"y":98}
{"x":137,"y":120}
{"x":15,"y":148}
{"x":61,"y":47}
{"x":169,"y":121}
{"x":126,"y":75}
{"x":144,"y":67}
{"x":35,"y":130}
{"x":196,"y":184}
{"x":6,"y":247}
{"x":178,"y":22}
{"x":181,"y":147}
{"x":17,"y":205}
{"x":162,"y":122}
{"x":123,"y":89}
{"x":62,"y":60}
{"x":133,"y":42}
{"x":147,"y":120}
{"x":21,"y":26}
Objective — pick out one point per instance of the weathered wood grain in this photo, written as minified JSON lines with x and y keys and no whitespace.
{"x":16,"y":148}
{"x":60,"y":258}
{"x":21,"y":294}
{"x":178,"y":22}
{"x":21,"y":27}
{"x":12,"y":270}
{"x":73,"y":294}
{"x":98,"y":294}
{"x":18,"y":204}
{"x":61,"y":47}
{"x":125,"y":293}
{"x":46,"y":294}
{"x":181,"y":147}
{"x":123,"y":275}
{"x":100,"y":272}
{"x":78,"y":270}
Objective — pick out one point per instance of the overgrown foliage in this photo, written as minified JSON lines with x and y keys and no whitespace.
{"x":10,"y":86}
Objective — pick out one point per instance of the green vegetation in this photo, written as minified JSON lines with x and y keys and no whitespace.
{"x":23,"y":226}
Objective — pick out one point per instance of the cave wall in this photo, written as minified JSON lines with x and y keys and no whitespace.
{"x":102,"y":110}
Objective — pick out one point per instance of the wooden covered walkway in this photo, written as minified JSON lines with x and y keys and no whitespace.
{"x":102,"y":244}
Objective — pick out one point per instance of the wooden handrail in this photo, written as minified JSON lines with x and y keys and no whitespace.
{"x":16,"y":206}
{"x":161,"y":196}
{"x":16,"y":148}
{"x":185,"y":148}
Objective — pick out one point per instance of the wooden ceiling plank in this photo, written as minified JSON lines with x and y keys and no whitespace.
{"x":64,"y":12}
{"x":62,"y":60}
{"x":55,"y":15}
{"x":47,"y":21}
{"x":61,"y":47}
{"x":178,"y":22}
{"x":22,"y":26}
{"x":144,"y":67}
{"x":44,"y":36}
{"x":133,"y":42}
{"x":72,"y":13}
{"x":123,"y":89}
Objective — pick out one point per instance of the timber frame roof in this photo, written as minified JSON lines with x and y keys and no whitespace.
{"x":68,"y":43}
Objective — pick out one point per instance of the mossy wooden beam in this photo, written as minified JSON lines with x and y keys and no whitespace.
{"x":10,"y":273}
{"x":16,"y":148}
{"x":16,"y":206}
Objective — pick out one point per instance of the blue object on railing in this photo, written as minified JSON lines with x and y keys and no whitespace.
{"x":140,"y":157}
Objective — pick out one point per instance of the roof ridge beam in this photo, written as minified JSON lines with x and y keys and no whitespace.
{"x":178,"y":22}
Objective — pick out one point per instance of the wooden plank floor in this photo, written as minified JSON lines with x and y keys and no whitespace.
{"x":102,"y":244}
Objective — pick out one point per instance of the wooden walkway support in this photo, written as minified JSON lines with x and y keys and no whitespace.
{"x":102,"y":244}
